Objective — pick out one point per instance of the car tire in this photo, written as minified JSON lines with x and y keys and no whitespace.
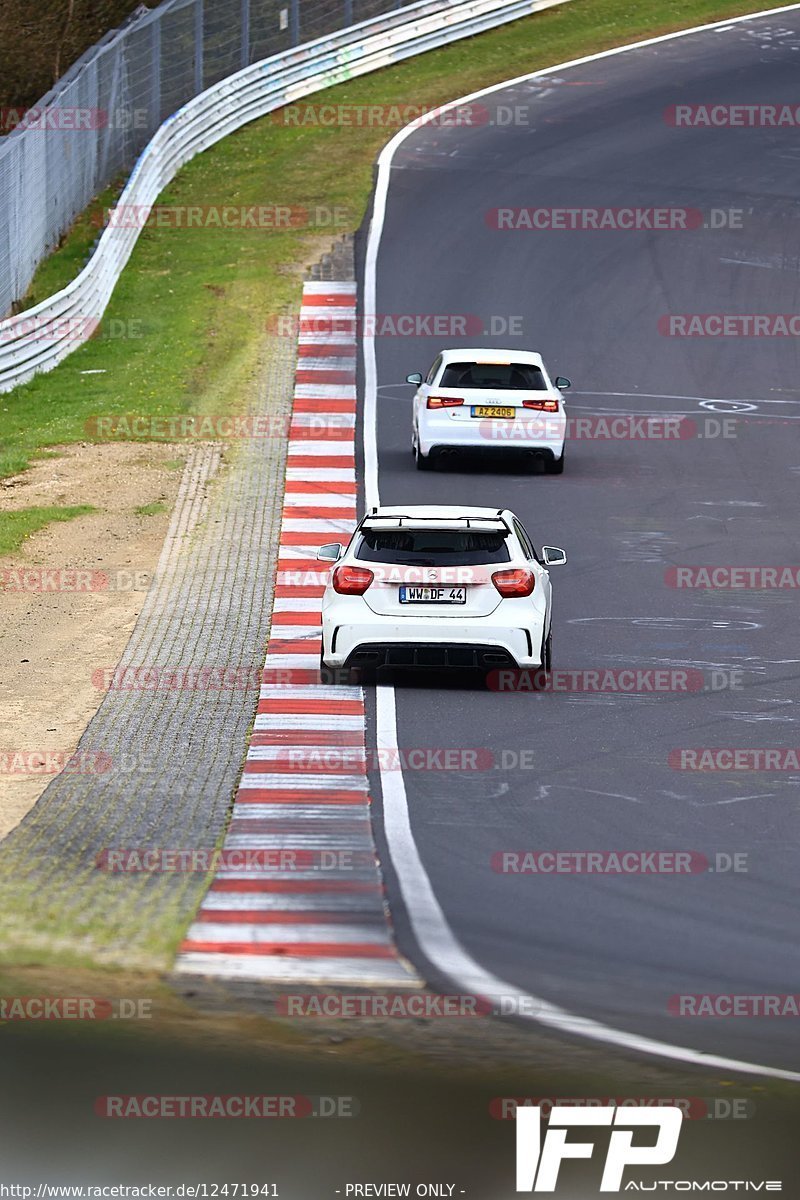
{"x":547,"y":653}
{"x":332,"y":676}
{"x":556,"y":465}
{"x":420,"y":461}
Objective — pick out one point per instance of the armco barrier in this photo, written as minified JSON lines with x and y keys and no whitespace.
{"x":39,"y":339}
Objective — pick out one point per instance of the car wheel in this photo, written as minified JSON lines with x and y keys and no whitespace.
{"x":556,"y":466}
{"x":333,"y":676}
{"x":547,"y":652}
{"x":420,"y":461}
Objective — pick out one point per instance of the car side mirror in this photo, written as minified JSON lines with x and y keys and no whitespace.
{"x":552,"y":556}
{"x":330,"y":552}
{"x":415,"y":378}
{"x":562,"y":384}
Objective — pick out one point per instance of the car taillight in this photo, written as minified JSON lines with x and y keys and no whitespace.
{"x":444,"y":401}
{"x":517,"y":582}
{"x":351,"y":581}
{"x":541,"y":405}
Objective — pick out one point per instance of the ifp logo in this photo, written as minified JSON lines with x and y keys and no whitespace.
{"x":538,"y":1161}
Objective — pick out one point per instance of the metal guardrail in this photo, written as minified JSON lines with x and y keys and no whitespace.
{"x":39,"y":339}
{"x":96,"y":120}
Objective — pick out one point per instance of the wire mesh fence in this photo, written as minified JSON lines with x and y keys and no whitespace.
{"x":92,"y":126}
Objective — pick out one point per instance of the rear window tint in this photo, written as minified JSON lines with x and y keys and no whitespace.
{"x":433,"y":547}
{"x":523,"y":377}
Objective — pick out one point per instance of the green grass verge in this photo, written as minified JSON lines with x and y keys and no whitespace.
{"x":150,"y":510}
{"x":15,"y":527}
{"x":185,"y":326}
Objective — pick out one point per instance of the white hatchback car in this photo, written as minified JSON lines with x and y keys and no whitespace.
{"x":436,"y":585}
{"x":489,"y":400}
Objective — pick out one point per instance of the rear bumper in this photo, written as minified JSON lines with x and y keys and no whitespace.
{"x":523,"y":435}
{"x":382,"y":641}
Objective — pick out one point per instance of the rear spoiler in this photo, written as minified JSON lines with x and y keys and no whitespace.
{"x":400,"y":521}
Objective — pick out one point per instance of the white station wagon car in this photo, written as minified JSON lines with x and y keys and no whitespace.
{"x":436,"y":585}
{"x":489,"y":400}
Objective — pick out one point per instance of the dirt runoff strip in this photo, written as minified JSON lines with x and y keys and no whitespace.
{"x":158,"y":763}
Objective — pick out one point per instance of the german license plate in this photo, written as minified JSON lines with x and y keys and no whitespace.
{"x":492,"y":410}
{"x":433,"y":595}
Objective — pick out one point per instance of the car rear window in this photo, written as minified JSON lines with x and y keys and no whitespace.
{"x":508,"y":376}
{"x":433,"y":547}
